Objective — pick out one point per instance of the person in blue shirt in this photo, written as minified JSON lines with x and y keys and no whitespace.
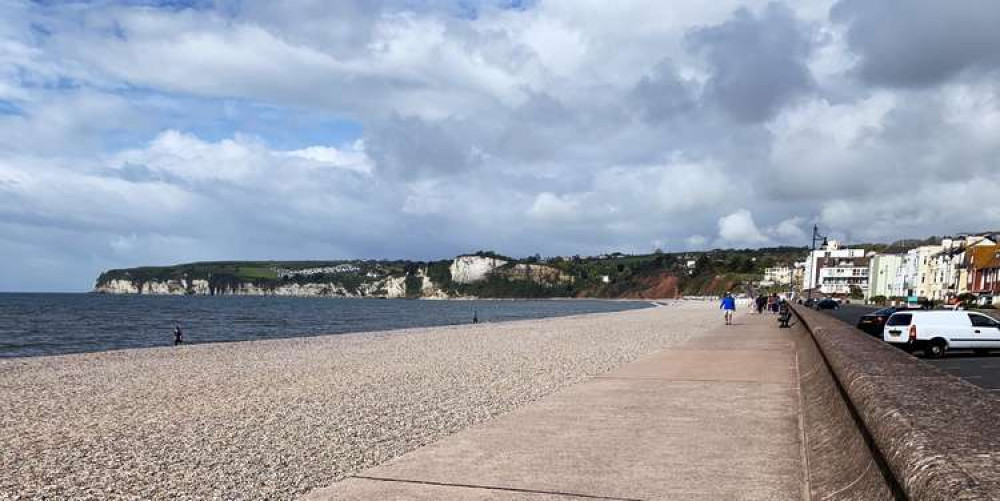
{"x":728,"y":306}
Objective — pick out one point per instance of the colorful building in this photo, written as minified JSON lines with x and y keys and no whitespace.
{"x":983,"y":278}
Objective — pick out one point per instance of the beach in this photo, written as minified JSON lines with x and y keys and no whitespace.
{"x":274,"y":419}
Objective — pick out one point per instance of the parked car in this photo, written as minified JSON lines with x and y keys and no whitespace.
{"x":935,"y":331}
{"x":874,"y":323}
{"x":827,"y":304}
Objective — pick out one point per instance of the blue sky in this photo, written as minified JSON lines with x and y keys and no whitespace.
{"x":137,"y":133}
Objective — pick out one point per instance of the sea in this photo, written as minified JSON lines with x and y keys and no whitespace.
{"x":54,"y":324}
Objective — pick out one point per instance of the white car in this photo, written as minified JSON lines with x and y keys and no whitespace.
{"x":935,"y":332}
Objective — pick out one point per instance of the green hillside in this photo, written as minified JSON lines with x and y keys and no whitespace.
{"x":607,"y":276}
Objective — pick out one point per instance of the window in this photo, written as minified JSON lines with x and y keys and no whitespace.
{"x":981,"y":320}
{"x":900,"y":319}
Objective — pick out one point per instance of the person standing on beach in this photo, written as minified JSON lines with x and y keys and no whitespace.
{"x":728,"y":306}
{"x":178,"y":335}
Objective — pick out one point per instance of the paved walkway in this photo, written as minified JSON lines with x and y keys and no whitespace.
{"x":714,"y":419}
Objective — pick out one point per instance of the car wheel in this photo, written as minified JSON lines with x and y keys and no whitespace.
{"x":936,"y":349}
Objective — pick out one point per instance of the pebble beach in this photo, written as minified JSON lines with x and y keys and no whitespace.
{"x":275,"y":419}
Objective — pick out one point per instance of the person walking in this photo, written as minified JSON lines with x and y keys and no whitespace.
{"x":178,"y":335}
{"x":728,"y":306}
{"x":784,"y":313}
{"x":761,"y":303}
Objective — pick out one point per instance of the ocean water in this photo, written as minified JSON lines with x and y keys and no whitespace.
{"x":51,"y":324}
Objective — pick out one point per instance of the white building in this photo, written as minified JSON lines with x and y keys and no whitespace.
{"x":913,"y":279}
{"x":883,"y":270}
{"x":841,"y":276}
{"x":833,"y":270}
{"x":778,"y":275}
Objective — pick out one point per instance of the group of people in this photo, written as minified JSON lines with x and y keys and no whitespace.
{"x":772,"y":303}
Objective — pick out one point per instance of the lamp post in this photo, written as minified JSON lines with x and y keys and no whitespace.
{"x":813,"y":272}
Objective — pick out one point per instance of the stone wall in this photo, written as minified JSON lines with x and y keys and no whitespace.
{"x":937,"y":434}
{"x":842,"y":465}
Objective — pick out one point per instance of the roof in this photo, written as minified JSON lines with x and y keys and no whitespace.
{"x":984,"y":256}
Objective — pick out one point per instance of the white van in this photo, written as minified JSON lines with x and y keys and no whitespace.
{"x":935,"y":332}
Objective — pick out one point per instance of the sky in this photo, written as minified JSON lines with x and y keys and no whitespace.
{"x":142,"y":132}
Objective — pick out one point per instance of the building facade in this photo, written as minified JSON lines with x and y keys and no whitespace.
{"x":983,"y":278}
{"x":778,"y":275}
{"x":836,"y":271}
{"x":883,"y":270}
{"x":914,"y":276}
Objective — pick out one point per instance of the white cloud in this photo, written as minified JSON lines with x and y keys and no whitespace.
{"x":790,"y":230}
{"x":548,"y":206}
{"x":352,"y":158}
{"x":739,"y":228}
{"x":696,"y":242}
{"x":170,"y":133}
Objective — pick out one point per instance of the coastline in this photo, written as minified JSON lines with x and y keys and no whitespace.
{"x":275,"y":418}
{"x":46,"y":326}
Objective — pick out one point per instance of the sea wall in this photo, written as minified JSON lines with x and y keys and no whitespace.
{"x":933,"y":434}
{"x":842,"y":465}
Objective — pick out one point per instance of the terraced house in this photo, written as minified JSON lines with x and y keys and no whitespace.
{"x":947,"y":273}
{"x":983,"y":265}
{"x":939,"y":272}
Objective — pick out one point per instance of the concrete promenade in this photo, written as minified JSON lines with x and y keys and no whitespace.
{"x":716,"y":418}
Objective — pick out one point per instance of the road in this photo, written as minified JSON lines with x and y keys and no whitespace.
{"x":982,"y":371}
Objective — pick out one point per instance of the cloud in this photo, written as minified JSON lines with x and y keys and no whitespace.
{"x":924,"y":208}
{"x":664,"y":94}
{"x":548,"y":206}
{"x":739,"y":228}
{"x":696,"y":242}
{"x":138,"y":134}
{"x":790,"y":230}
{"x":756,"y":63}
{"x":353,"y":158}
{"x":921,"y":42}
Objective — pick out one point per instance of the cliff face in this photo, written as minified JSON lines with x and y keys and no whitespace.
{"x":472,"y":269}
{"x":389,"y":287}
{"x":176,"y":287}
{"x":537,"y":273}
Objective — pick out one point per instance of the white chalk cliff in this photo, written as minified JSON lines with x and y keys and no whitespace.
{"x":463,"y":269}
{"x":471,"y":269}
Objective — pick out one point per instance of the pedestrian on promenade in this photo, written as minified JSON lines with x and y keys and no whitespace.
{"x":761,"y":303}
{"x":178,"y":335}
{"x":784,"y":313}
{"x":728,"y":306}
